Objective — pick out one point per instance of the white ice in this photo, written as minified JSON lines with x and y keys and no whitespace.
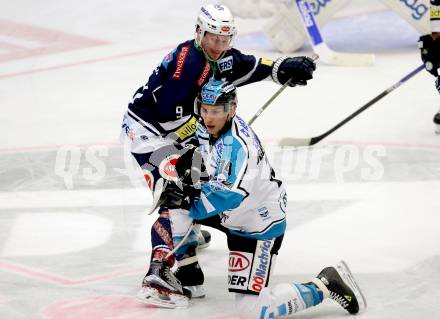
{"x":74,"y":239}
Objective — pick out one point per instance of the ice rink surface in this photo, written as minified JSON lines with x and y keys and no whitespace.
{"x":74,"y":233}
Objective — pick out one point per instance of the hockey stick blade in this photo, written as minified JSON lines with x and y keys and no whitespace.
{"x":294,"y":142}
{"x":327,"y":55}
{"x":331,"y":57}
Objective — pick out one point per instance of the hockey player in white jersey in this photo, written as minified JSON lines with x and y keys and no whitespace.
{"x":231,"y":186}
{"x":429,"y":45}
{"x":159,"y":120}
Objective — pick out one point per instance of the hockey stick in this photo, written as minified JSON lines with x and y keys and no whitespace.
{"x":265,"y":105}
{"x":289,"y":141}
{"x":273,"y":97}
{"x":320,"y":47}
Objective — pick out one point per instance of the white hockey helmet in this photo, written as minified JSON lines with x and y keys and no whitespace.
{"x":216,"y":19}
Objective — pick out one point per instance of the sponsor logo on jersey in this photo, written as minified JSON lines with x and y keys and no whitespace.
{"x":204,"y":74}
{"x":167,"y":168}
{"x":261,"y":266}
{"x":244,"y":128}
{"x":181,"y":58}
{"x":435,"y":14}
{"x":239,"y":270}
{"x":128,"y":131}
{"x":263,"y":212}
{"x":238,"y":262}
{"x":225,"y":64}
{"x":188,"y":129}
{"x":237,"y":282}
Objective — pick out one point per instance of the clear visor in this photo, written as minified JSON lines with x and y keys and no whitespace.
{"x":217,"y":111}
{"x":217,"y":40}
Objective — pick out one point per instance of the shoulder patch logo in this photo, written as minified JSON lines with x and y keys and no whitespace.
{"x":168,"y":58}
{"x":225,"y":64}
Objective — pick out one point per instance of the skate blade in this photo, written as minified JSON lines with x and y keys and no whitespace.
{"x":196,"y":291}
{"x":151,"y":296}
{"x":348,"y":277}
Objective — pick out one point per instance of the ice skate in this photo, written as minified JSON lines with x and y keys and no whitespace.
{"x":341,"y":287}
{"x":204,"y":238}
{"x":161,"y":288}
{"x":191,"y":277}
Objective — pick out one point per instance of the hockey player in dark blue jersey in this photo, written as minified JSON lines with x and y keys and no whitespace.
{"x":160,"y":120}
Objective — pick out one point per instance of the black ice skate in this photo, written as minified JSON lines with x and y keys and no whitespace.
{"x":341,"y":287}
{"x":191,"y":277}
{"x":204,"y":238}
{"x":161,"y":288}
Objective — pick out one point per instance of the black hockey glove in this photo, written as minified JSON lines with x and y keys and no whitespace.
{"x":178,"y":195}
{"x":190,"y":167}
{"x":430,"y":53}
{"x":297,"y":69}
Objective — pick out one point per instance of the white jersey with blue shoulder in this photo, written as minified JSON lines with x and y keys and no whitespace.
{"x":242,"y":186}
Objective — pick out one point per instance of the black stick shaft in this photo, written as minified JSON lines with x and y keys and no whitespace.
{"x":318,"y":138}
{"x":278,"y":92}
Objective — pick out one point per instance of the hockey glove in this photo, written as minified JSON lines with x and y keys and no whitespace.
{"x":178,"y":195}
{"x":190,"y":167}
{"x":430,"y":53}
{"x":297,"y":69}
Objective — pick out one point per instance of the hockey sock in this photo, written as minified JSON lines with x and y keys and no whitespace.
{"x":188,"y":248}
{"x":161,"y":238}
{"x":310,"y":293}
{"x":185,"y":234}
{"x":280,"y":301}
